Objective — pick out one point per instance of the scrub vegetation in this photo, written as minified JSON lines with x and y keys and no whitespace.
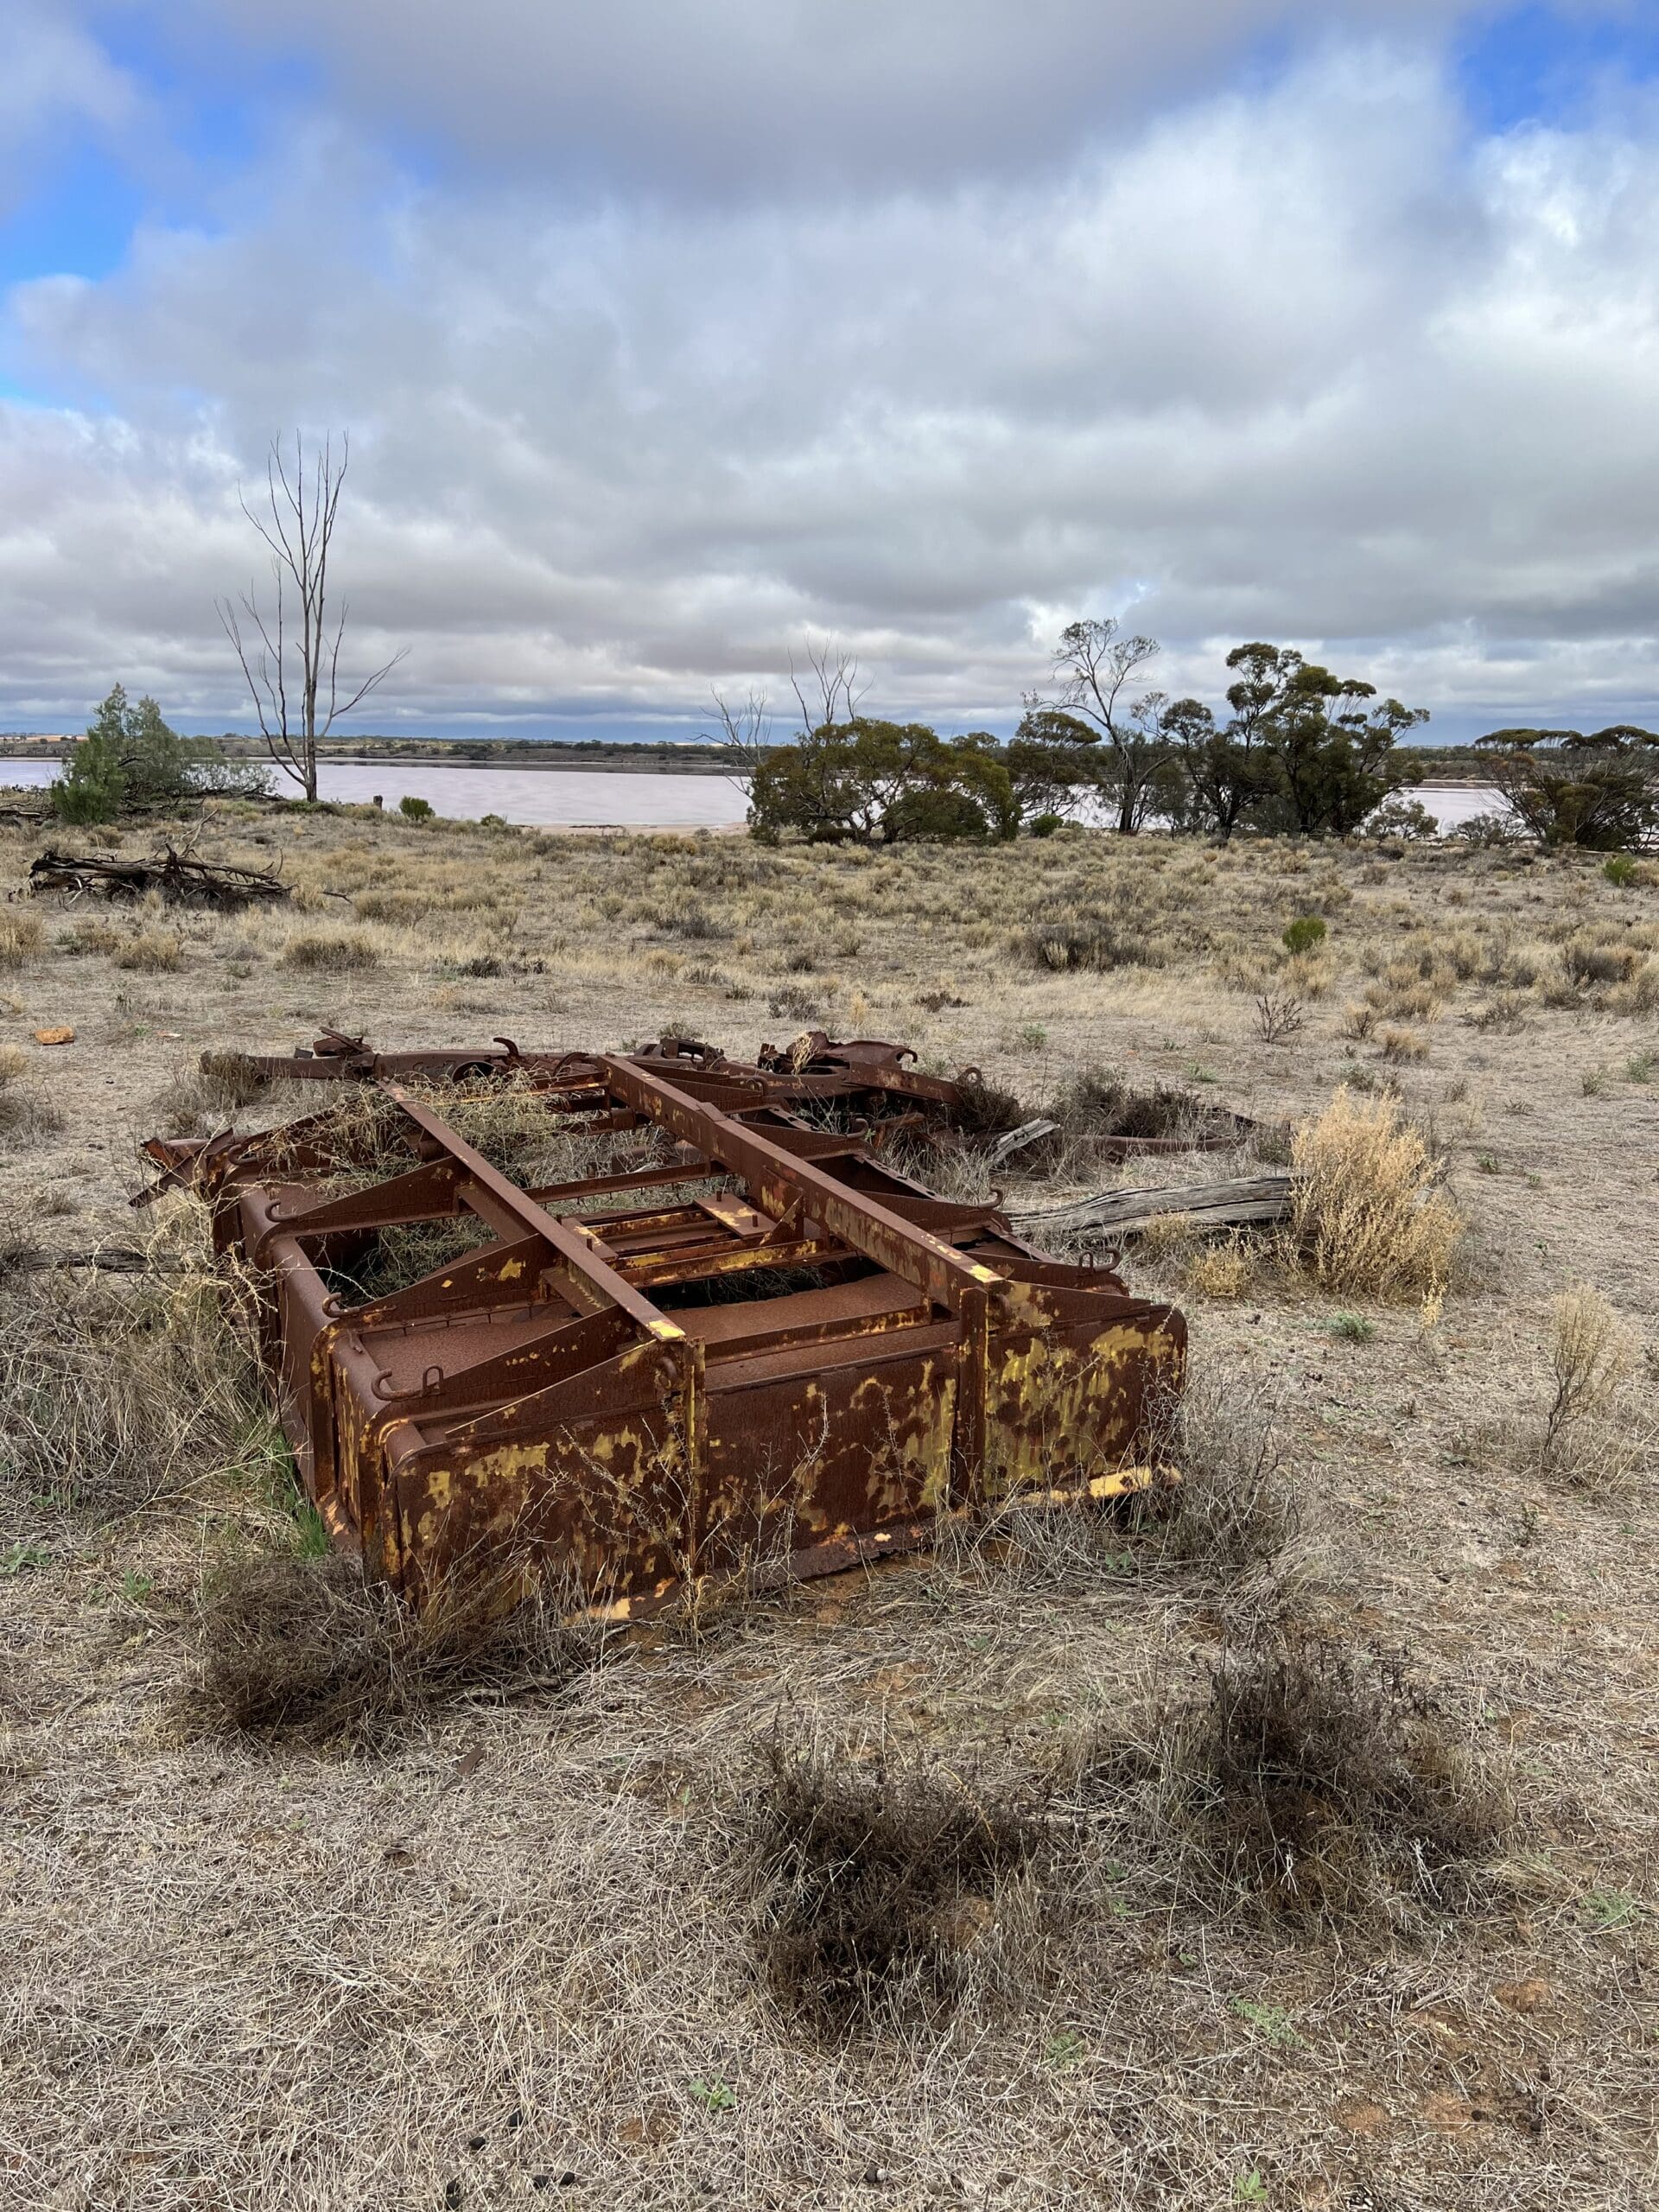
{"x":1286,"y":1837}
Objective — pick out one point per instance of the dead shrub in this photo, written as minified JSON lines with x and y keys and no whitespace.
{"x":1094,"y":944}
{"x":330,"y":952}
{"x":303,"y":1650}
{"x":1313,"y":1782}
{"x":20,"y":936}
{"x":879,"y":1875}
{"x":1367,"y":1218}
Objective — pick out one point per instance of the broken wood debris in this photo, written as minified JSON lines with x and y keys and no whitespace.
{"x":179,"y":878}
{"x":1246,"y":1201}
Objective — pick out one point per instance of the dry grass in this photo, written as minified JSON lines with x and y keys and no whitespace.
{"x":1235,"y":1516}
{"x":880,"y":1873}
{"x":118,"y":1388}
{"x":301,"y":1650}
{"x":21,"y":937}
{"x":150,"y":951}
{"x":530,"y":1935}
{"x":1369,"y":1220}
{"x":1587,"y":1436}
{"x":1313,"y":1782}
{"x":331,"y":952}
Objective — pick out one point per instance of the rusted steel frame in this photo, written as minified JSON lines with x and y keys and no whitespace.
{"x":950,"y":1278}
{"x":570,"y":1248}
{"x":775,"y":1176}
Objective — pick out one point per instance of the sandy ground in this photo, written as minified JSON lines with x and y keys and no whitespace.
{"x":513,"y":1956}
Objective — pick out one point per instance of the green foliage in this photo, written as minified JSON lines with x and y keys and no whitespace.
{"x":1321,"y":760}
{"x":131,"y":762}
{"x":92,"y":786}
{"x":1271,"y":2020}
{"x":1303,"y":933}
{"x":1598,"y":792}
{"x":1619,"y":870}
{"x":1050,"y":758}
{"x":870,"y":782}
{"x":413,"y":808}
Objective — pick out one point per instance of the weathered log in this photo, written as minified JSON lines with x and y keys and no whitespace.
{"x":1243,"y":1202}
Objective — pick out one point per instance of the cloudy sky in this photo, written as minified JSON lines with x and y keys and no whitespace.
{"x":670,"y":340}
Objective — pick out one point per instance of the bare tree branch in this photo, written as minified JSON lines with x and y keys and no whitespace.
{"x":297,"y":529}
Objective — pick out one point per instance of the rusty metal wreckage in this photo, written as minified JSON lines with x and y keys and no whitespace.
{"x":773,"y":1357}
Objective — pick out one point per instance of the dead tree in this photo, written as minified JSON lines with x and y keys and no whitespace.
{"x":1093,"y":666}
{"x":290,"y":652}
{"x":827,"y":691}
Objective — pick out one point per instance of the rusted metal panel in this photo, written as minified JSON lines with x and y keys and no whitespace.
{"x":770,"y":1355}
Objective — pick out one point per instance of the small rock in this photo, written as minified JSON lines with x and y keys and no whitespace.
{"x":62,"y":1035}
{"x":476,"y":2142}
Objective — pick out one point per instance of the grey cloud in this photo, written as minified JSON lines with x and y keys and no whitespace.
{"x":762,"y":96}
{"x":1290,"y":363}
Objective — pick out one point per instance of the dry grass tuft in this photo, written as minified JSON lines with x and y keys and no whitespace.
{"x":1234,"y":1513}
{"x":151,"y":952}
{"x":1367,"y":1218}
{"x":21,"y":937}
{"x":301,"y":1649}
{"x":881,"y":1878}
{"x":1314,"y":1782}
{"x":1224,"y":1271}
{"x":1068,"y":941}
{"x":1101,"y":1103}
{"x":1591,"y":1356}
{"x":331,"y":952}
{"x":26,"y":1117}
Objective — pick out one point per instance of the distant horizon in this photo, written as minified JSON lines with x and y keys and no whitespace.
{"x":656,"y":732}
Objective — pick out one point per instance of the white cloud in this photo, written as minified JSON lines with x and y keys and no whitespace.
{"x":52,"y":72}
{"x":1288,"y":362}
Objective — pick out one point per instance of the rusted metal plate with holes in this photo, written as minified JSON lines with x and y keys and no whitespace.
{"x":736,"y":1345}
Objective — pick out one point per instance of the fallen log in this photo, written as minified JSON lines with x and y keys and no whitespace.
{"x":179,"y":880}
{"x":1244,"y":1202}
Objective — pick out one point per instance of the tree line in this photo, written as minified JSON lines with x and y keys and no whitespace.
{"x":1301,"y":751}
